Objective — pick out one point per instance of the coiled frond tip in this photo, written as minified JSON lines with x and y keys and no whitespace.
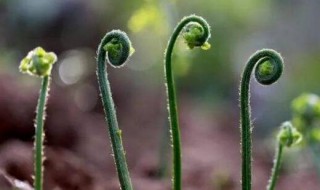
{"x":118,"y":47}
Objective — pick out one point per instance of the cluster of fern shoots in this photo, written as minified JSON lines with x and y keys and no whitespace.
{"x":116,"y":48}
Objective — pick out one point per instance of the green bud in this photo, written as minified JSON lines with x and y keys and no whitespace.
{"x":307,"y":107}
{"x":114,"y":48}
{"x":288,"y":135}
{"x":266,"y":68}
{"x":118,"y":51}
{"x":38,"y":62}
{"x":315,"y":134}
{"x":193,"y":35}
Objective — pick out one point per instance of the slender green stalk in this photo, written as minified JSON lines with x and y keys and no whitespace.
{"x":288,"y":136}
{"x":117,"y":44}
{"x":269,"y":67}
{"x":39,"y":63}
{"x":276,"y":168}
{"x":40,"y":133}
{"x":196,"y":34}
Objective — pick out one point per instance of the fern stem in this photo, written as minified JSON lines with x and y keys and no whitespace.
{"x":276,"y":167}
{"x":39,"y":63}
{"x":269,"y":67}
{"x":171,"y":93}
{"x":39,"y":137}
{"x":116,"y":57}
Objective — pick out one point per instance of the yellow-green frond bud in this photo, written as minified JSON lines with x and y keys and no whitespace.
{"x":194,"y":36}
{"x":288,"y":135}
{"x":38,"y":62}
{"x":307,"y":106}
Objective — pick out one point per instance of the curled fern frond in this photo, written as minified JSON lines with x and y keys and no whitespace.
{"x":116,"y":46}
{"x":196,"y":33}
{"x":268,"y":65}
{"x":288,"y":136}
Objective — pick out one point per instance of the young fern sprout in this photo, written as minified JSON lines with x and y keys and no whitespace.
{"x":39,"y":63}
{"x":306,"y":116}
{"x":196,"y":32}
{"x":288,"y":136}
{"x":268,"y":65}
{"x":306,"y":110}
{"x":116,"y":47}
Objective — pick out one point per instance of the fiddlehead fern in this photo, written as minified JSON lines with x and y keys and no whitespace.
{"x":39,"y":63}
{"x":116,"y":46}
{"x":288,"y":136}
{"x":306,"y":117}
{"x":196,"y":32}
{"x":268,"y":66}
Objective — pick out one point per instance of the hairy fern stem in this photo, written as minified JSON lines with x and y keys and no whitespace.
{"x":39,"y":136}
{"x":269,"y":67}
{"x":196,"y":34}
{"x":116,"y":45}
{"x":39,"y":63}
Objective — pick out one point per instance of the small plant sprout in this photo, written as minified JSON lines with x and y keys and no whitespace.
{"x":39,"y":63}
{"x":196,"y":32}
{"x":306,"y":109}
{"x":116,"y":47}
{"x":306,"y":116}
{"x":288,"y":136}
{"x":268,"y":65}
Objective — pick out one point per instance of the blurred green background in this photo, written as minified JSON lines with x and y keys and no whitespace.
{"x":207,"y":81}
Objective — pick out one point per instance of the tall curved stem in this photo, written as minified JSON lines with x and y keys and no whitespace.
{"x":269,"y":67}
{"x":109,"y":109}
{"x":171,"y":94}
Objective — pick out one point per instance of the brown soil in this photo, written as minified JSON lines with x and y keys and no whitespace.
{"x":78,"y":154}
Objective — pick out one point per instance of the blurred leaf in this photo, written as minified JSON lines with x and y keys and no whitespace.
{"x":148,"y":15}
